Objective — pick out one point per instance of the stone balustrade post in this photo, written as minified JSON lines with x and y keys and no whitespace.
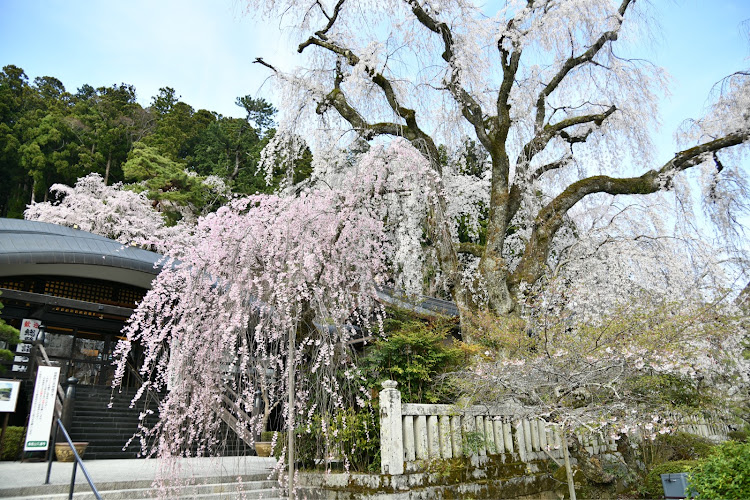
{"x":433,"y":437}
{"x":391,"y":430}
{"x":446,"y":447}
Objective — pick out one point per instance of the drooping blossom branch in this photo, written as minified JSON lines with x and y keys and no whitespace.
{"x":258,"y":271}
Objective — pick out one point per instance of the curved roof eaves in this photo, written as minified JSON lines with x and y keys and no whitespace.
{"x":32,"y":242}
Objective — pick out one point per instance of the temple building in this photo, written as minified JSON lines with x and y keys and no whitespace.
{"x":80,"y":287}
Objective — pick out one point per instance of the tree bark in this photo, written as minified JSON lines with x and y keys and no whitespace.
{"x":106,"y":171}
{"x":236,"y":170}
{"x":568,"y":469}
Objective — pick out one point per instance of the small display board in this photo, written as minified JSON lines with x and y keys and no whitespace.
{"x":42,"y":408}
{"x":30,"y":329}
{"x":9,"y":395}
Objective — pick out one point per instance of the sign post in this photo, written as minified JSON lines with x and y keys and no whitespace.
{"x":30,"y":329}
{"x":42,"y":409}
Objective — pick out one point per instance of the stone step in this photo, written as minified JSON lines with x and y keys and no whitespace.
{"x":80,"y":419}
{"x":100,"y":405}
{"x":208,"y":489}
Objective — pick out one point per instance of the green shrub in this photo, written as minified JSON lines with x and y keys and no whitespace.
{"x":13,"y":443}
{"x":475,"y":441}
{"x":725,"y":474}
{"x":413,"y":354}
{"x":675,"y":447}
{"x":358,"y":438}
{"x":652,"y":487}
{"x":354,"y":435}
{"x":740,"y":435}
{"x":267,"y":436}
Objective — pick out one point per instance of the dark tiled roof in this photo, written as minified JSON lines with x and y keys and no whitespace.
{"x":420,"y":304}
{"x":32,"y":242}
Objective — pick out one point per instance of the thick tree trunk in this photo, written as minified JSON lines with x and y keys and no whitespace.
{"x":494,"y":275}
{"x":493,"y":268}
{"x":236,"y":170}
{"x":106,"y":172}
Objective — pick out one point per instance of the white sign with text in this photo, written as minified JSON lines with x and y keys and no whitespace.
{"x":42,"y":408}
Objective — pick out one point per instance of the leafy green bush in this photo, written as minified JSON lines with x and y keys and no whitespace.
{"x":475,"y":441}
{"x":354,"y":435}
{"x":740,"y":435}
{"x":725,"y":474}
{"x":9,"y":337}
{"x":677,"y":446}
{"x":13,"y":443}
{"x":413,"y":354}
{"x":267,"y":436}
{"x":652,"y":487}
{"x":357,"y":437}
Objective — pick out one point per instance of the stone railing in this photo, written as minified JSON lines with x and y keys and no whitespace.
{"x":410,"y":433}
{"x":413,"y":433}
{"x":702,"y":427}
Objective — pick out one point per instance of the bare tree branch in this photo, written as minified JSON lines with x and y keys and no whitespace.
{"x":550,"y":218}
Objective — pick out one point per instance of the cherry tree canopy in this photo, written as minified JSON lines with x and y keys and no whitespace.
{"x":121,"y":213}
{"x":546,"y":87}
{"x":259,"y":271}
{"x":110,"y":211}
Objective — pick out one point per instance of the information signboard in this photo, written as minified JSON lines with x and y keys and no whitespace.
{"x":42,"y":408}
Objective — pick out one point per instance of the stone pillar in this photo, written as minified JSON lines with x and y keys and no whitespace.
{"x":497,"y":428}
{"x":534,"y":426}
{"x":526,"y":427}
{"x":520,"y":440}
{"x":541,"y":424}
{"x":489,"y":436}
{"x":410,"y":451}
{"x":508,"y":437}
{"x":558,"y":440}
{"x":480,"y":429}
{"x":446,"y":450}
{"x":468,"y":425}
{"x":456,"y":437}
{"x":391,"y":430}
{"x":420,"y":437}
{"x":433,"y":437}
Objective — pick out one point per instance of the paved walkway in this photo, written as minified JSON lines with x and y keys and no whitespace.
{"x":14,"y":475}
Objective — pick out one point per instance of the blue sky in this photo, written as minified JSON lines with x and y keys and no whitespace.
{"x":205,"y":48}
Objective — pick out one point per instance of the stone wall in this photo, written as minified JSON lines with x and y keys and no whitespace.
{"x":477,"y":477}
{"x":431,"y":451}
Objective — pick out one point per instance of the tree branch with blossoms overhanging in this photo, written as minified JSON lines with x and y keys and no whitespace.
{"x":270,"y":286}
{"x":563,"y":114}
{"x":640,"y":371}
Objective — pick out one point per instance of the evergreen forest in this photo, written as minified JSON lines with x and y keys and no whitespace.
{"x":50,"y":134}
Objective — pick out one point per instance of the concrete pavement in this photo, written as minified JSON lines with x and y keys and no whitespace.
{"x":28,"y":476}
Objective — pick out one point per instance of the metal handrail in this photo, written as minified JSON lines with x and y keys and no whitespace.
{"x":75,"y":464}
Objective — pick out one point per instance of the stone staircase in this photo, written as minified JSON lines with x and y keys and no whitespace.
{"x":211,"y":488}
{"x":107,"y":430}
